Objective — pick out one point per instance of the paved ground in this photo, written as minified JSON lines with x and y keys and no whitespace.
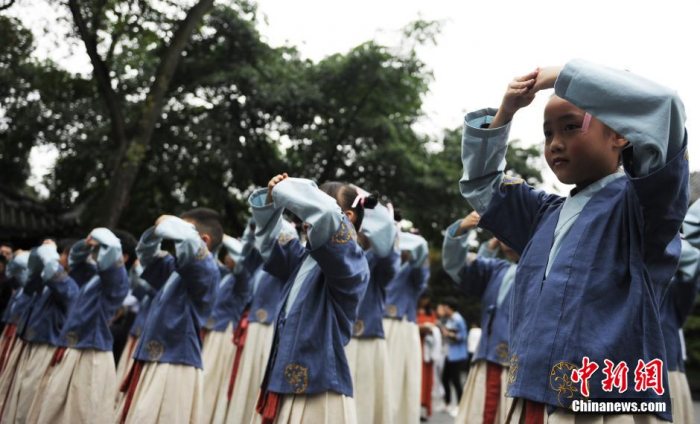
{"x":444,"y":418}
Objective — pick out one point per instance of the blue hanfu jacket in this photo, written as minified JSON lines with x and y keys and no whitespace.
{"x":485,"y":278}
{"x":678,"y":304}
{"x":17,"y":274}
{"x":383,"y":260}
{"x":410,"y":282}
{"x":325,"y":281}
{"x":53,"y":292}
{"x":602,"y":293}
{"x":186,"y":286}
{"x":266,"y":289}
{"x":87,"y":324}
{"x":233,"y":291}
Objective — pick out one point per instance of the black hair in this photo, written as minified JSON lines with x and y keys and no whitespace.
{"x":63,"y":245}
{"x":345,"y":195}
{"x":451,"y":303}
{"x":207,"y":221}
{"x":397,"y":215}
{"x":128,"y":242}
{"x":8,"y":244}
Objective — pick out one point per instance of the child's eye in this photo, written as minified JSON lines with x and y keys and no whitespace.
{"x":571,"y":127}
{"x":547,"y":135}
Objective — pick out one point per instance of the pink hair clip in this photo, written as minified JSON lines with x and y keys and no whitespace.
{"x":360,"y":198}
{"x":586,"y":122}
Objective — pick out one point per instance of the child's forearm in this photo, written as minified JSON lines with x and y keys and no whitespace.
{"x":502,"y":118}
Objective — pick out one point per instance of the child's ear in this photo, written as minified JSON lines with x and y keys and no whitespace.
{"x":207,"y":239}
{"x":351,"y":215}
{"x":619,"y":142}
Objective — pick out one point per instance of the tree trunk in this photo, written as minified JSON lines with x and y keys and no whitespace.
{"x":130,"y":155}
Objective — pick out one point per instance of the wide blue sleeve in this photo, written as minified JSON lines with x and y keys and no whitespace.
{"x":158,"y":270}
{"x":268,"y":222}
{"x":318,"y":210}
{"x":471,"y":274}
{"x":194,"y":264}
{"x":514,"y":205}
{"x":379,"y":227}
{"x":684,"y":287}
{"x":110,"y":263}
{"x":148,"y":247}
{"x":79,"y":253}
{"x":384,"y":269}
{"x":343,"y":264}
{"x":515,"y":210}
{"x":483,"y":158}
{"x":420,"y":277}
{"x":63,"y":289}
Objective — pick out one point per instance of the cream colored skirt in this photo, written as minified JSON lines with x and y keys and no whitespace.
{"x":126,"y":360}
{"x":683,"y":411}
{"x":471,"y":406}
{"x":11,"y":367}
{"x":368,"y":360}
{"x":32,"y":365}
{"x":78,"y":389}
{"x":403,"y":344}
{"x":251,"y":371}
{"x":217,"y":357}
{"x":165,"y":393}
{"x":324,"y":408}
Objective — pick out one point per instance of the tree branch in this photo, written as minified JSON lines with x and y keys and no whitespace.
{"x":101,"y":74}
{"x":155,"y":99}
{"x":6,"y":4}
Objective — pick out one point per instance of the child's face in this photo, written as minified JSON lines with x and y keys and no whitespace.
{"x":578,"y":155}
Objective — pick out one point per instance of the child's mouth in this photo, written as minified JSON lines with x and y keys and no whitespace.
{"x":558,"y":163}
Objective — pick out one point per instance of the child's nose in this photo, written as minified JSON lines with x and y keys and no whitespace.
{"x":557,"y":144}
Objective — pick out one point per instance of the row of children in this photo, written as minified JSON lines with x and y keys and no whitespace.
{"x":279,"y":330}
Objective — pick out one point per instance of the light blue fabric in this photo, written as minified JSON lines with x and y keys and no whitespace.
{"x":506,"y":284}
{"x":17,"y":268}
{"x":457,"y":347}
{"x":571,"y":209}
{"x":691,"y":225}
{"x":110,"y":248}
{"x":483,"y":158}
{"x":416,"y":246}
{"x":454,"y":251}
{"x":307,"y":267}
{"x":303,"y":198}
{"x":188,"y":243}
{"x":379,"y":227}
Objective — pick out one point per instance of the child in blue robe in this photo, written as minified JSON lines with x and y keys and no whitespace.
{"x":307,"y":377}
{"x":594,"y":265}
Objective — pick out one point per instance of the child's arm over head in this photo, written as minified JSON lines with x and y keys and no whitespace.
{"x":484,"y":146}
{"x":651,"y":117}
{"x":469,"y":272}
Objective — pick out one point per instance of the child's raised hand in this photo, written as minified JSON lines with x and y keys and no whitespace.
{"x":546,"y":78}
{"x":519,"y":93}
{"x":470,"y":221}
{"x":273,"y":182}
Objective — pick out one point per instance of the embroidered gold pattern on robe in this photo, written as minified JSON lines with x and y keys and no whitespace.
{"x":155,"y":350}
{"x":261,"y":315}
{"x":560,"y":381}
{"x":358,"y":328}
{"x":298,"y":377}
